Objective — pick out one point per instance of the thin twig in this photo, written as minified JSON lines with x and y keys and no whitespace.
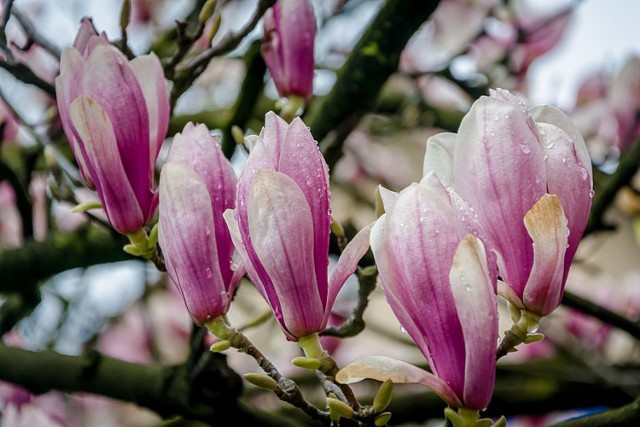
{"x":355,"y":324}
{"x":186,"y":74}
{"x":34,"y":36}
{"x":574,"y":301}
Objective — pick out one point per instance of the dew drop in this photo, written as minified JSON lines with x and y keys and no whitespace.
{"x":592,"y":194}
{"x":403,"y":330}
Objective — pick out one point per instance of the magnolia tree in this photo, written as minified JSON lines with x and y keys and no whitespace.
{"x":321,"y":209}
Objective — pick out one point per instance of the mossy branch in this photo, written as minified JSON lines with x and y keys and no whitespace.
{"x":374,"y":58}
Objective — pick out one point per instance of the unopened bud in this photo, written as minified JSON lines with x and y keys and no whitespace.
{"x":220,"y":346}
{"x":215,"y":26}
{"x":207,"y":11}
{"x":262,"y":381}
{"x":306,"y":363}
{"x":125,"y":14}
{"x":237,"y":134}
{"x":338,"y":407}
{"x":502,"y":422}
{"x":531,"y":338}
{"x":382,"y":419}
{"x":383,"y":396}
{"x":379,"y":204}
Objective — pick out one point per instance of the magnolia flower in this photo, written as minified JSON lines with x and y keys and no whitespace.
{"x":527,"y":174}
{"x":197,"y":185}
{"x":115,"y":115}
{"x":289,"y":33}
{"x":436,"y":280}
{"x":281,"y":227}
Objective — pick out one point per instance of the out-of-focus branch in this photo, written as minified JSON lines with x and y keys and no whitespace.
{"x":34,"y":36}
{"x":186,"y":74}
{"x":36,"y":261}
{"x":249,"y":92}
{"x":605,"y":194}
{"x":626,"y":416}
{"x":572,"y":300}
{"x":167,"y":390}
{"x":23,"y":200}
{"x":372,"y":61}
{"x":24,"y":74}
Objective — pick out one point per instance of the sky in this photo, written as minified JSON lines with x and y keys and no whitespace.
{"x":602,"y":35}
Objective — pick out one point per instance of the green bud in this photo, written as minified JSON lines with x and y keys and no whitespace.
{"x":215,"y":26}
{"x":382,"y":419}
{"x":502,"y":422}
{"x":125,"y":14}
{"x":339,"y":408}
{"x":262,"y":381}
{"x":207,"y":11}
{"x":379,"y":204}
{"x":83,"y":207}
{"x":132,"y":249}
{"x":153,"y":236}
{"x":515,"y":312}
{"x":453,"y":417}
{"x":337,"y":229}
{"x":220,"y":346}
{"x":383,"y":396}
{"x":531,"y":338}
{"x":306,"y":363}
{"x":237,"y":134}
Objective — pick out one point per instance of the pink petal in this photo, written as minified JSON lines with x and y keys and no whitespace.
{"x":297,"y":31}
{"x":439,"y":156}
{"x":189,"y":244}
{"x":476,"y":303}
{"x":347,"y":264}
{"x":68,"y":89}
{"x":547,"y":226}
{"x":382,"y":368}
{"x":420,"y":238}
{"x":109,"y":80}
{"x":496,"y":140}
{"x":386,"y":277}
{"x":148,"y":71}
{"x":95,"y":130}
{"x":281,"y":230}
{"x":301,"y":160}
{"x":196,"y":148}
{"x":570,"y":180}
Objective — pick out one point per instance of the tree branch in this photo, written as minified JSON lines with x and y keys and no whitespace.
{"x":626,"y":416}
{"x":574,"y":301}
{"x":36,"y":261}
{"x":627,"y":168}
{"x":373,"y":60}
{"x":167,"y":390}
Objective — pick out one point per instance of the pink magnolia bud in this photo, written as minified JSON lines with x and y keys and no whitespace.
{"x":437,"y":281}
{"x":527,"y":174}
{"x":281,"y":227}
{"x":289,"y":33}
{"x":115,"y":114}
{"x":197,"y":185}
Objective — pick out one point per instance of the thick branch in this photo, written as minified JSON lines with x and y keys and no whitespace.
{"x":584,"y":305}
{"x":167,"y":390}
{"x":626,"y":416}
{"x":36,"y":261}
{"x":368,"y":67}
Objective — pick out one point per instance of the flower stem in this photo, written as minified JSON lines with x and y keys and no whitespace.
{"x":287,"y":391}
{"x":526,"y":325}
